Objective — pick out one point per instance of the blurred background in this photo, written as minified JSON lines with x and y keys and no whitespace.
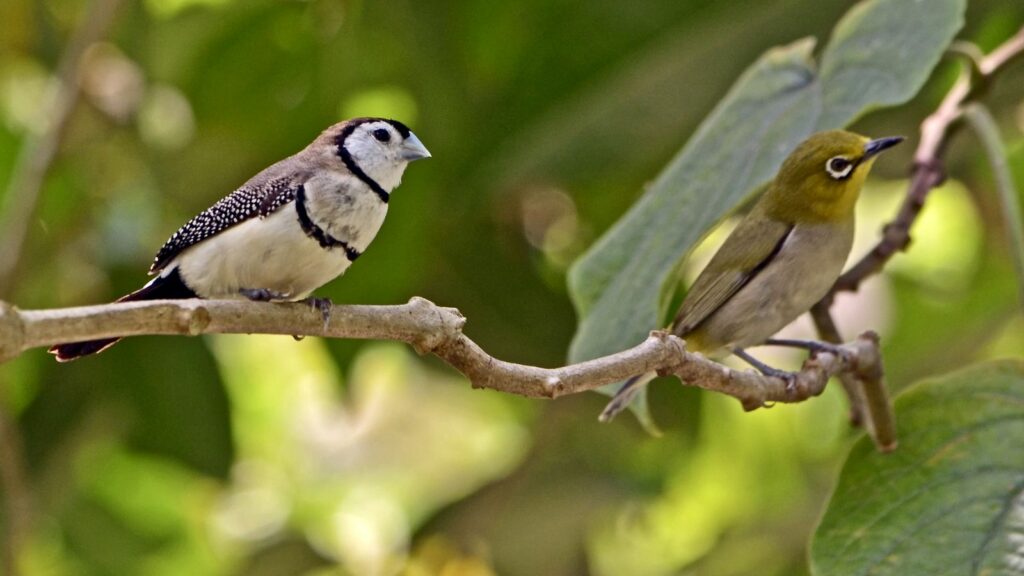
{"x":262,"y":455}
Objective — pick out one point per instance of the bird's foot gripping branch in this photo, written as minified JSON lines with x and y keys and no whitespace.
{"x":438,"y":330}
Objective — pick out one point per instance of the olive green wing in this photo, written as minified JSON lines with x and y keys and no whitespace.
{"x":750,"y":247}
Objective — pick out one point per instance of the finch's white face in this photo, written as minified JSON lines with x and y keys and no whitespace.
{"x":383,"y":149}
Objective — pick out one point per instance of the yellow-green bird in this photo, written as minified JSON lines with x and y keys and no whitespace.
{"x":784,"y":255}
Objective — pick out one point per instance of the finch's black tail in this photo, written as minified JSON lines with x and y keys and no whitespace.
{"x":170,"y":287}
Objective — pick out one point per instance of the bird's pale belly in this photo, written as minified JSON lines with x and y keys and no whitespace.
{"x":777,"y":295}
{"x":270,"y":253}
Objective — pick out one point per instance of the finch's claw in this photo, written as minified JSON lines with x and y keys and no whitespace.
{"x":324,"y":305}
{"x":262,"y":294}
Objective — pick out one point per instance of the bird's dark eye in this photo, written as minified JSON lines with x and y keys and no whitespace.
{"x":382,"y":135}
{"x":839,"y":167}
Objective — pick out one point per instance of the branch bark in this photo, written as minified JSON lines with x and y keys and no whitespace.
{"x":429,"y":329}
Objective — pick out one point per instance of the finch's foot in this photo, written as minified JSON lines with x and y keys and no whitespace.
{"x":263,"y":294}
{"x":324,"y":305}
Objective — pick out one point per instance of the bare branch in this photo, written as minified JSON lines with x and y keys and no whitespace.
{"x":1007,"y":52}
{"x":829,"y":332}
{"x":430,"y":329}
{"x":868,"y":371}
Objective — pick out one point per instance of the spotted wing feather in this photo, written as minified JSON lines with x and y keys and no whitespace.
{"x":255,"y":199}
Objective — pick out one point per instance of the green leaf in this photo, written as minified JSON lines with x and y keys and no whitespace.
{"x":950,"y":500}
{"x":881,"y":53}
{"x":620,"y":285}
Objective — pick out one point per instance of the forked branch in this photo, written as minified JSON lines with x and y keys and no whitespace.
{"x":430,"y":329}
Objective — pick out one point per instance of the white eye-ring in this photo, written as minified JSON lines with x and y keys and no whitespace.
{"x":838,"y":167}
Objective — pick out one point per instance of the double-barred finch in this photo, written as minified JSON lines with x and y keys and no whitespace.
{"x":287,"y":231}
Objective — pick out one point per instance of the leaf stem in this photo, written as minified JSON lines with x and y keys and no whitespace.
{"x":981,"y":121}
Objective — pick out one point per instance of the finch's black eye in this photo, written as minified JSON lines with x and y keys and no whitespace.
{"x":838,"y":167}
{"x":382,"y":135}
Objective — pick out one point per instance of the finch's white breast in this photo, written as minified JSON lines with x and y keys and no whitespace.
{"x":275,"y":253}
{"x":272,"y":253}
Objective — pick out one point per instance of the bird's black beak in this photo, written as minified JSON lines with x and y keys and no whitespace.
{"x":875,"y":146}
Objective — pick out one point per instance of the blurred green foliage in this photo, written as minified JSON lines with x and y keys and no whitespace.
{"x":260,"y":455}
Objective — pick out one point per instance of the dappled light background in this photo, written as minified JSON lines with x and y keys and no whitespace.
{"x":263,"y":455}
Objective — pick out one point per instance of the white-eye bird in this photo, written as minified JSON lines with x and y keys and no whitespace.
{"x":290,"y":229}
{"x":783,"y":256}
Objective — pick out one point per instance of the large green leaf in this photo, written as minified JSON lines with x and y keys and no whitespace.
{"x":881,"y":53}
{"x":950,"y":500}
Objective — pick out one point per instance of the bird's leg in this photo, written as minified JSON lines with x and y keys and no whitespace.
{"x":767,"y":370}
{"x":813,"y":346}
{"x":268,"y":295}
{"x":324,"y":305}
{"x":262,"y":294}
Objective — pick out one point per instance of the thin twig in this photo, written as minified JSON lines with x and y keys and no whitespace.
{"x":1004,"y":54}
{"x":430,"y":329}
{"x":868,"y":371}
{"x":829,"y":332}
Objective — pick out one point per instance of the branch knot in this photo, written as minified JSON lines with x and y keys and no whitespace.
{"x":12,"y":332}
{"x":193,"y":321}
{"x":447,"y":325}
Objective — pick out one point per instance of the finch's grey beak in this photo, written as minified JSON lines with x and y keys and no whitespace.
{"x":876,"y":146}
{"x":413,"y":149}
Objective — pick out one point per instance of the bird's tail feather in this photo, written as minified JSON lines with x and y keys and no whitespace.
{"x":630,"y":388}
{"x":169,"y":287}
